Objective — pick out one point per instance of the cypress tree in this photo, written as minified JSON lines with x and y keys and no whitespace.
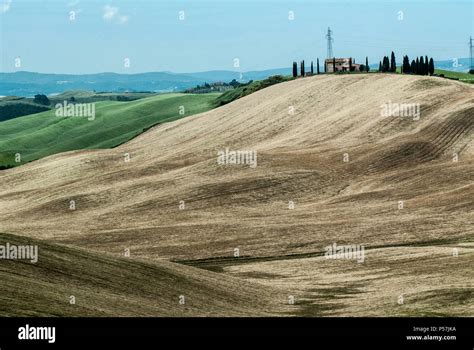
{"x":422,"y":66}
{"x":393,"y":64}
{"x":334,"y":64}
{"x":386,"y":64}
{"x":406,"y":65}
{"x":413,"y":67}
{"x":317,"y":66}
{"x":431,"y":64}
{"x":366,"y":64}
{"x":380,"y":66}
{"x":312,"y":70}
{"x":295,"y":70}
{"x":417,"y":66}
{"x":302,"y":68}
{"x":350,"y":64}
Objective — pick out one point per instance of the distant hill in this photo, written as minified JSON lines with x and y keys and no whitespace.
{"x":42,"y":134}
{"x":13,"y":107}
{"x":29,"y":83}
{"x":457,"y":65}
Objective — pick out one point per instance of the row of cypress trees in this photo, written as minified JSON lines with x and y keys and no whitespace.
{"x":303,"y":72}
{"x":388,"y":65}
{"x":302,"y":68}
{"x":422,"y":66}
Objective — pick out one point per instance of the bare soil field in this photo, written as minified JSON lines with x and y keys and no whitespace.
{"x":331,"y":169}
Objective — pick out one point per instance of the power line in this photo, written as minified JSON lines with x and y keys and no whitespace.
{"x":330,"y":40}
{"x":470,"y":52}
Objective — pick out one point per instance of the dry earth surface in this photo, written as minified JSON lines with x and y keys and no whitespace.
{"x":300,"y":130}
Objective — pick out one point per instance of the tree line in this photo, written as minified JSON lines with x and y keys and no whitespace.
{"x":302,"y":70}
{"x":420,"y":66}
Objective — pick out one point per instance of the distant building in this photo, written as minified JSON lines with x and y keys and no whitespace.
{"x":341,"y":65}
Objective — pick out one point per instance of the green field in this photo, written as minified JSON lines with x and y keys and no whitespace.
{"x":92,"y":96}
{"x":465,"y":77}
{"x":13,"y":107}
{"x":42,"y":134}
{"x":241,"y":91}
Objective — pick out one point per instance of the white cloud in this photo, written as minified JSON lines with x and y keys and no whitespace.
{"x":123,"y":19}
{"x":5,"y":6}
{"x":110,"y":12}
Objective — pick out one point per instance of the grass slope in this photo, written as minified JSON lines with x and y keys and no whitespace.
{"x":10,"y":109}
{"x":84,"y":96}
{"x":245,"y":90}
{"x":465,"y":77}
{"x":39,"y":135}
{"x":104,"y":285}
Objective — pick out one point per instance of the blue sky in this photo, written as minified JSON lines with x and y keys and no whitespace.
{"x":213,"y":33}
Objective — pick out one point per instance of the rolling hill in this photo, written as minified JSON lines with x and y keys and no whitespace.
{"x":104,"y":285}
{"x":38,"y":135}
{"x":32,"y":83}
{"x":322,"y":144}
{"x":13,"y":107}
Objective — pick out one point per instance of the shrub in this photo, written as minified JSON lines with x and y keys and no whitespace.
{"x":252,"y":87}
{"x":10,"y":110}
{"x":41,"y":100}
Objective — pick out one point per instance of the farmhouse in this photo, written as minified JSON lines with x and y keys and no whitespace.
{"x":341,"y":65}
